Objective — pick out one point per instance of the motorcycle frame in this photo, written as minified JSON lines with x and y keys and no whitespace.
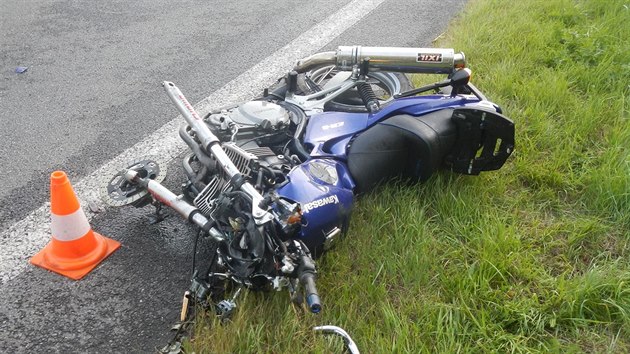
{"x":318,"y":206}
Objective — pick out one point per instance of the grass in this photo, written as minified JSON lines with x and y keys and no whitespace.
{"x":534,"y":257}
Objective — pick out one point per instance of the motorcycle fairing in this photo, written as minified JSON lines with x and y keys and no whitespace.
{"x":324,"y":189}
{"x":329,"y":133}
{"x":326,"y":130}
{"x":419,"y":105}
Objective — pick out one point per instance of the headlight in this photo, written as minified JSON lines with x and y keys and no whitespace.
{"x":323,"y":172}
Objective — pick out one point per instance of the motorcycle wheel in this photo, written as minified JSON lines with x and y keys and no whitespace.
{"x":384,"y":84}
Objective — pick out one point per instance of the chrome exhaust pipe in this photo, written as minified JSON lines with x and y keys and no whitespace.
{"x":399,"y":59}
{"x":315,"y":60}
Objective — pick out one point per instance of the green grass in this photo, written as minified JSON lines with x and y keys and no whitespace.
{"x":534,"y":257}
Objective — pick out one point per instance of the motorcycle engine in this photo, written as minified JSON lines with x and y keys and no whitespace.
{"x":249,"y":121}
{"x":255,"y":136}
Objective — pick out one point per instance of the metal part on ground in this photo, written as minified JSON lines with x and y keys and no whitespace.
{"x":117,"y":191}
{"x":350,"y":345}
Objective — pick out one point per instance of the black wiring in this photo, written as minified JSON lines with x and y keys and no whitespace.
{"x":243,"y":142}
{"x":302,"y":117}
{"x":195,"y":252}
{"x":285,"y":147}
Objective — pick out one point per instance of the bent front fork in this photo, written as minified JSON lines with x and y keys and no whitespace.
{"x":177,"y":203}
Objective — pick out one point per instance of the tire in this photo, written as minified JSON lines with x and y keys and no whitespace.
{"x":384,"y":84}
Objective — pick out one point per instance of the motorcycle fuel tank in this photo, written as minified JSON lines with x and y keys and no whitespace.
{"x":326,"y":130}
{"x":323,"y":188}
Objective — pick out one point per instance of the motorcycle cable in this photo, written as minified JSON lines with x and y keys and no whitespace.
{"x":243,"y":142}
{"x":194,"y":258}
{"x":294,"y":144}
{"x":190,"y":302}
{"x":187,"y":320}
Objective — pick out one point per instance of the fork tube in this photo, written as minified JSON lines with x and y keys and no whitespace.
{"x":210,"y":143}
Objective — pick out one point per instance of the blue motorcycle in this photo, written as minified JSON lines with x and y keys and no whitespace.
{"x":272,"y":182}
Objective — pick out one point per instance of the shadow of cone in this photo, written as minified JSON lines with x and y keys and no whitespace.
{"x":75,"y":249}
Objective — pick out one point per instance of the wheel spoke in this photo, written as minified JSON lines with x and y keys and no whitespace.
{"x":323,"y":77}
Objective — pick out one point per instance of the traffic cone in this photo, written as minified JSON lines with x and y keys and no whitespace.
{"x":74,"y":249}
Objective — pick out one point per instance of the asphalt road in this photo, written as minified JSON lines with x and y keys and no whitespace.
{"x":92,"y":90}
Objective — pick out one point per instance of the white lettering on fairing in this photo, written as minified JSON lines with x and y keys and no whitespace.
{"x":333,"y":199}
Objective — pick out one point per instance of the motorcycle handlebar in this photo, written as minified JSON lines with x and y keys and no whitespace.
{"x":306,"y":272}
{"x":312,"y":297}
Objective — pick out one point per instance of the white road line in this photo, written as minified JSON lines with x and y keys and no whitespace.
{"x":23,"y":239}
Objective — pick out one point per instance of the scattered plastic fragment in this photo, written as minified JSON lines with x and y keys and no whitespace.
{"x":21,"y":69}
{"x":95,"y":208}
{"x":175,"y":348}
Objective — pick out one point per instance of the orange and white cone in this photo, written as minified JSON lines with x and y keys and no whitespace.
{"x":74,"y":249}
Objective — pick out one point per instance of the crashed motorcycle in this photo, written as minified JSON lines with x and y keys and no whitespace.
{"x":272,"y":181}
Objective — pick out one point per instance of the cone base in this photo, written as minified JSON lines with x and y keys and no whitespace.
{"x":76,"y":268}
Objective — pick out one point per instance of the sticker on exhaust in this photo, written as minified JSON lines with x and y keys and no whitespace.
{"x":429,"y":58}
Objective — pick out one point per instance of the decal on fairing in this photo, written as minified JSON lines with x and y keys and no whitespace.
{"x":431,"y":58}
{"x":333,"y":199}
{"x":332,"y":126}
